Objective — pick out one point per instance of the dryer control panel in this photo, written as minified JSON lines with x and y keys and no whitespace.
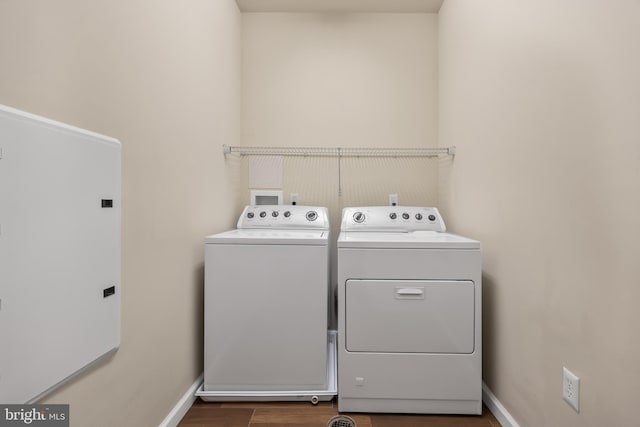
{"x":392,"y":219}
{"x":284,"y":217}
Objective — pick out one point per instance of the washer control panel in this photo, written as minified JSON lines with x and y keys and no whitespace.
{"x":284,"y":216}
{"x":392,"y":218}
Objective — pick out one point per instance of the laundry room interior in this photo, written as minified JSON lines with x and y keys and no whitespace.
{"x":531,"y":108}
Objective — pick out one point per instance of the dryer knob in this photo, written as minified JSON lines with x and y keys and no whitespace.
{"x":250,"y":215}
{"x":312,"y":215}
{"x":432,"y":217}
{"x":405,"y":215}
{"x":263,"y":214}
{"x":275,"y":214}
{"x":358,"y":217}
{"x":393,"y":215}
{"x":419,"y":217}
{"x":287,"y":214}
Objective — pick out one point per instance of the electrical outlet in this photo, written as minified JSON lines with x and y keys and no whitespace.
{"x":571,"y":389}
{"x":393,"y":200}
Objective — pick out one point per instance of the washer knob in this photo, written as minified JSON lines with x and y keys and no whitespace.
{"x":275,"y":214}
{"x":432,"y":217}
{"x":393,"y":215}
{"x":250,"y":215}
{"x":419,"y":216}
{"x":287,"y":214}
{"x":263,"y":214}
{"x":358,"y":217}
{"x":405,"y":215}
{"x":312,"y":215}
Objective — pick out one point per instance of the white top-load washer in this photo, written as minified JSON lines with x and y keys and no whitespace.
{"x":409,"y":314}
{"x":265,"y":308}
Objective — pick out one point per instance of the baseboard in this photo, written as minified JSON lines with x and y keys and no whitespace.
{"x":173,"y":418}
{"x":497,"y":409}
{"x":183,"y":405}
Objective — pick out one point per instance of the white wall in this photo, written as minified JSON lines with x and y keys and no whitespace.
{"x":343,"y":80}
{"x":542,"y":99}
{"x":339,"y":79}
{"x":165,"y":80}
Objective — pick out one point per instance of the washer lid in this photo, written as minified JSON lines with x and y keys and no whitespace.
{"x":270,"y":237}
{"x":411,"y":240}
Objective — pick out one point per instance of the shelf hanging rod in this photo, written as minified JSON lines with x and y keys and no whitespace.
{"x":339,"y":151}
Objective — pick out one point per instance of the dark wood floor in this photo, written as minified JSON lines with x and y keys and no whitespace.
{"x":304,"y":414}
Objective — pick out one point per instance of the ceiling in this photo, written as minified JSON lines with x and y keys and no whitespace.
{"x":379,"y":6}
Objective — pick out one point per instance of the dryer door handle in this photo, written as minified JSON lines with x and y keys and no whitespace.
{"x":409,"y":293}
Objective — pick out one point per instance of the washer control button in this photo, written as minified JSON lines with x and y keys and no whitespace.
{"x":287,"y":214}
{"x":263,"y":214}
{"x":312,"y":215}
{"x":358,"y":217}
{"x":405,"y":215}
{"x":250,"y":215}
{"x":393,"y":215}
{"x":419,"y":216}
{"x":275,"y":214}
{"x":432,"y":217}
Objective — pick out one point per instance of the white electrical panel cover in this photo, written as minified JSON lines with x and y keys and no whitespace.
{"x":59,"y":253}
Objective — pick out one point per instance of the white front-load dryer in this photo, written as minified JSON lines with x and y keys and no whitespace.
{"x":409,"y":314}
{"x":265,"y":308}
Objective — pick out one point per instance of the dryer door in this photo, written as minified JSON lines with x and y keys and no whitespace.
{"x":410,"y":316}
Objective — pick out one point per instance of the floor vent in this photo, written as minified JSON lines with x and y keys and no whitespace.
{"x":341,"y":421}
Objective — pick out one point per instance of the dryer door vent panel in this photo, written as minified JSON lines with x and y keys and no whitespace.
{"x":410,"y":316}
